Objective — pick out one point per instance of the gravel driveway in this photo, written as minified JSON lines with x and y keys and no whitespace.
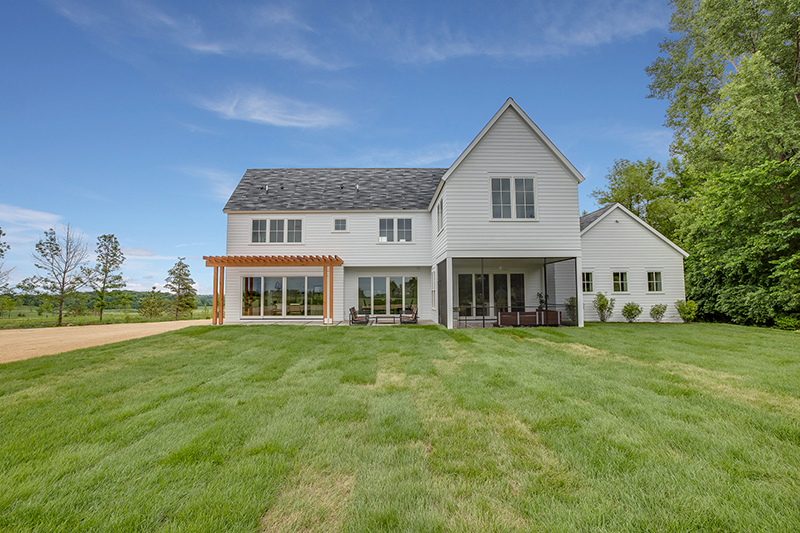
{"x":19,"y":344}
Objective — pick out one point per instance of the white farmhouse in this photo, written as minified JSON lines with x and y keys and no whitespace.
{"x":494,"y":239}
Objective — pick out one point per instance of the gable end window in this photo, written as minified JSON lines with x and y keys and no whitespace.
{"x":340,"y":224}
{"x":259,"y":231}
{"x":620,"y":281}
{"x":440,"y":216}
{"x":654,"y":282}
{"x":513,"y":198}
{"x":386,"y":230}
{"x":588,"y":281}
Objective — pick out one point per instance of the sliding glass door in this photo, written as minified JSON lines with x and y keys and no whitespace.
{"x":382,"y":295}
{"x":282,"y":296}
{"x":479,"y":294}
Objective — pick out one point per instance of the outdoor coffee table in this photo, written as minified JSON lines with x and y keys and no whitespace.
{"x":378,"y":318}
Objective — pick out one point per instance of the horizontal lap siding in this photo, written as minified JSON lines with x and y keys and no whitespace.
{"x":510,"y":148}
{"x":626,"y":245}
{"x":439,"y":239}
{"x":358,"y":247}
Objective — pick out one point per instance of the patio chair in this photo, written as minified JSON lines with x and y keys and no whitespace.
{"x":410,"y":319}
{"x":358,"y":320}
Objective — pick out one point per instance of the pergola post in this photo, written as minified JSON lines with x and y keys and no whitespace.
{"x":214,"y":298}
{"x":221,"y":296}
{"x":324,"y":294}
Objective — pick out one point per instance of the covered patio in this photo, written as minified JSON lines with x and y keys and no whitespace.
{"x":219,"y":263}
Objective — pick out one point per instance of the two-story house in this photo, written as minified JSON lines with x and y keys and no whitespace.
{"x":499,"y":232}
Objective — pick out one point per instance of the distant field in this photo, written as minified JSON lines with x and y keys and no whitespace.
{"x":613,"y":427}
{"x":28,"y":317}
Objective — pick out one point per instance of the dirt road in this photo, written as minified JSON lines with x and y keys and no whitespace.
{"x":19,"y":344}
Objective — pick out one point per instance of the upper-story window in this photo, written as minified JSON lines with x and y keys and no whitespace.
{"x":259,"y":231}
{"x":340,"y":224}
{"x":277,"y":230}
{"x":386,"y":230}
{"x":440,"y":216}
{"x":513,"y":198}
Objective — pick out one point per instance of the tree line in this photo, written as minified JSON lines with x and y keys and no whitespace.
{"x":62,"y":262}
{"x":730,"y":194}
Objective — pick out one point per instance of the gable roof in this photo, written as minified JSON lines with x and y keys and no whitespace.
{"x":590,"y":220}
{"x":334,"y":189}
{"x":587,"y":219}
{"x":539,"y":134}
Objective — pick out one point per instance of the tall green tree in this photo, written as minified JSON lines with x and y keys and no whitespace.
{"x":732,"y":77}
{"x":743,"y":233}
{"x":105,"y":275}
{"x":640,"y":186}
{"x":60,"y":259}
{"x":181,"y":285}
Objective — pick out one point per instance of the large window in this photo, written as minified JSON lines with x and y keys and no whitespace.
{"x":654,"y":282}
{"x":277,"y":230}
{"x":392,"y":295}
{"x":282,"y":296}
{"x":588,"y":281}
{"x":518,"y":203}
{"x":386,"y":230}
{"x":620,"y":280}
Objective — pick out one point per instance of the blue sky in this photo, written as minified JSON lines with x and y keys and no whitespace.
{"x":138,"y":117}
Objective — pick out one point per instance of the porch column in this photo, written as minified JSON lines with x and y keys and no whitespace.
{"x":214,"y":298}
{"x":579,"y":285}
{"x":449,"y":264}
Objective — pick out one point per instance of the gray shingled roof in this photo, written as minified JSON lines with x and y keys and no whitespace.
{"x":306,"y":189}
{"x":588,"y":218}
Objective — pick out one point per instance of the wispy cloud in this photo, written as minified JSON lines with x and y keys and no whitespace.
{"x":144,"y":254}
{"x":220,"y":183}
{"x":24,"y":226}
{"x":444,"y":153}
{"x":265,"y":108}
{"x":653,"y":141}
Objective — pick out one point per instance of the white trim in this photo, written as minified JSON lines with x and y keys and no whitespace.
{"x":395,"y":240}
{"x":640,"y":221}
{"x":510,"y":103}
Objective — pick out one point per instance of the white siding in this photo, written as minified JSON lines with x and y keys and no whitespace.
{"x":439,"y":235}
{"x":511,"y":149}
{"x":358,"y":247}
{"x":618,"y":243}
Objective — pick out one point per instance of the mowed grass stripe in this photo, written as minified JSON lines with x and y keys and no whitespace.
{"x":614,"y":427}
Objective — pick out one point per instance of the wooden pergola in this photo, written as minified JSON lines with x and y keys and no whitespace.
{"x":220,"y":262}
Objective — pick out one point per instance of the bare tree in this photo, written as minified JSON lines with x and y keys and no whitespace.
{"x":61,"y":259}
{"x":4,"y":247}
{"x":105,"y":275}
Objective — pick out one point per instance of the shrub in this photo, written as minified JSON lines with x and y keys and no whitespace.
{"x":571,"y":305}
{"x":686,"y":309}
{"x":631,"y":311}
{"x":789,"y":323}
{"x":604,"y":306}
{"x":747,"y":304}
{"x":658,"y":311}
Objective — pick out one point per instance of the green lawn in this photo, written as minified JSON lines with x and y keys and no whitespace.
{"x":614,"y":427}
